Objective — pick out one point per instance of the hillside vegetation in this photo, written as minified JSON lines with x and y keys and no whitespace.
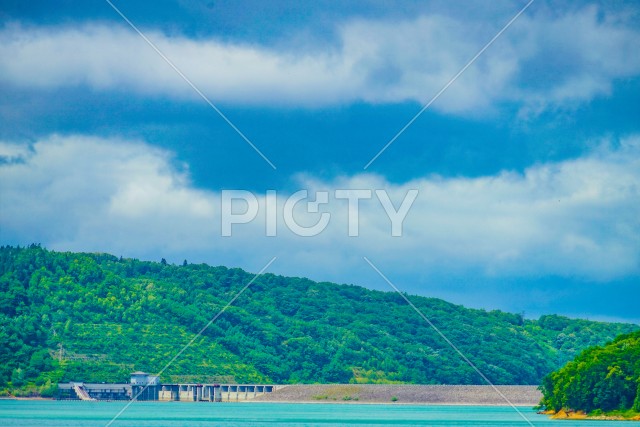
{"x":600,"y":379}
{"x":96,"y":317}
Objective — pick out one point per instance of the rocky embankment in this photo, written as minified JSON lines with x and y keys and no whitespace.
{"x":420,"y":394}
{"x":581,"y":415}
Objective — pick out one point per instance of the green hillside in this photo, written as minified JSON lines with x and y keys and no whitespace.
{"x":95,"y":317}
{"x":599,"y":379}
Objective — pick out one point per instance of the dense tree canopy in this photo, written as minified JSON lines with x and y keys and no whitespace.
{"x":600,"y":378}
{"x":96,"y":317}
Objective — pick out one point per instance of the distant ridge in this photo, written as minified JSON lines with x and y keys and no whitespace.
{"x":96,"y":317}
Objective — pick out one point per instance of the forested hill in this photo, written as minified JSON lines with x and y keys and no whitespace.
{"x":599,"y":379}
{"x":95,"y":317}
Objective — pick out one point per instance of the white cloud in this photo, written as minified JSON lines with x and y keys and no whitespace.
{"x":541,"y":62}
{"x":13,"y":152}
{"x":93,"y":194}
{"x":576,"y":219}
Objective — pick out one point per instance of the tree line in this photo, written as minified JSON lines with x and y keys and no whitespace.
{"x":601,"y":378}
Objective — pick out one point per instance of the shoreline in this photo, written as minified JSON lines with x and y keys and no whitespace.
{"x":25,"y":398}
{"x":269,"y":402}
{"x":581,"y":415}
{"x":357,"y":402}
{"x":386,"y":394}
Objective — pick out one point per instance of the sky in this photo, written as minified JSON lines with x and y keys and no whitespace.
{"x":527,"y":165}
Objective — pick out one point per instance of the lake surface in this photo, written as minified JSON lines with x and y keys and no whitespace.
{"x":173,"y":414}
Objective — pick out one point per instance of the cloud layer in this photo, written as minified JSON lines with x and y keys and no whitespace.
{"x":543,"y":61}
{"x":576,"y":219}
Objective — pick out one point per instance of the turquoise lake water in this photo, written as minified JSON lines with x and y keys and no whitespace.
{"x":173,"y":414}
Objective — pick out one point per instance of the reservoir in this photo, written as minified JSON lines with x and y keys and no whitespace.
{"x":47,"y":413}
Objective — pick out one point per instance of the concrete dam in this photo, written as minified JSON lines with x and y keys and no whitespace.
{"x":147,"y":387}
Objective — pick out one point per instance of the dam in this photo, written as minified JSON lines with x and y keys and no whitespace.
{"x":146,"y":387}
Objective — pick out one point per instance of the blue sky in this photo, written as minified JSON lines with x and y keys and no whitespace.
{"x":527,"y":166}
